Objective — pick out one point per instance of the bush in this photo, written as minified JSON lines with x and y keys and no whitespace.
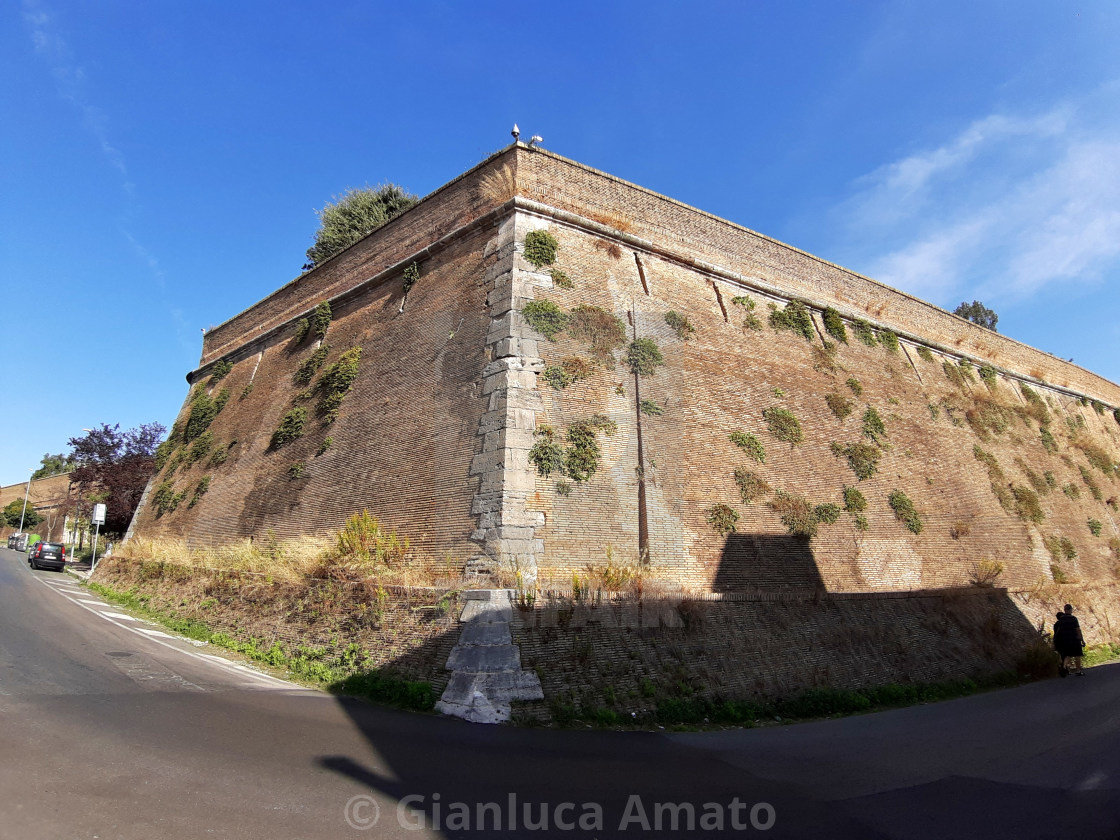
{"x":545,"y":317}
{"x":854,"y":500}
{"x":794,"y":318}
{"x":1095,"y":527}
{"x":889,"y":340}
{"x":290,"y":428}
{"x":840,"y":406}
{"x":864,"y":332}
{"x":855,"y":385}
{"x":751,"y":485}
{"x":924,"y":354}
{"x":796,"y":514}
{"x":321,"y":319}
{"x":834,"y":325}
{"x":863,"y":458}
{"x":336,"y":382}
{"x":603,"y":331}
{"x":750,"y":321}
{"x":561,"y":279}
{"x":547,"y":455}
{"x":783,"y":424}
{"x":749,"y":444}
{"x":873,"y":426}
{"x":220,"y":371}
{"x":352,"y":216}
{"x":649,"y":407}
{"x":985,"y":573}
{"x":306,"y":371}
{"x":411,"y":275}
{"x":643,"y":357}
{"x":826,"y":513}
{"x":723,"y":518}
{"x":364,"y":540}
{"x":303,"y":327}
{"x":540,"y":248}
{"x":904,"y":510}
{"x":679,"y":324}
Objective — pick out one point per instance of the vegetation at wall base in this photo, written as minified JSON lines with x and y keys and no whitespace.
{"x":341,"y":670}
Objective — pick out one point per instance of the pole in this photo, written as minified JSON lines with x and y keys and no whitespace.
{"x":23,"y":512}
{"x":93,"y":559}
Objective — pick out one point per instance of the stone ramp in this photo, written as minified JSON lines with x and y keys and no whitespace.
{"x":485,"y":663}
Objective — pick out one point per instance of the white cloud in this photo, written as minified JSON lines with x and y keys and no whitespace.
{"x":1010,"y":205}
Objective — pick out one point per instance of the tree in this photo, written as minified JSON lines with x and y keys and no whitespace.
{"x":52,"y":465}
{"x":14,"y":510}
{"x":977,"y":313}
{"x":115,"y":467}
{"x":352,"y":216}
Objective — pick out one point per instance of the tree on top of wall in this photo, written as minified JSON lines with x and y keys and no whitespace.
{"x":353,"y":215}
{"x":977,"y":313}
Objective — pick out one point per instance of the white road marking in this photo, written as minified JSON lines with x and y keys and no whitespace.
{"x":118,"y":615}
{"x":154,"y":637}
{"x":87,"y":601}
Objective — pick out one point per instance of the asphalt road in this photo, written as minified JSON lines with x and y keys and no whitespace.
{"x":110,"y":729}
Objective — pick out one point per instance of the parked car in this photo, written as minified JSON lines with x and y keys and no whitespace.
{"x":18,"y":542}
{"x":47,"y":555}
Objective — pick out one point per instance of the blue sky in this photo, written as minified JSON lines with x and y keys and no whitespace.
{"x":163,"y":161}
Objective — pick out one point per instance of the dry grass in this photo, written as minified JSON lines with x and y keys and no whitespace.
{"x":498,"y":186}
{"x":611,"y":220}
{"x":611,"y":248}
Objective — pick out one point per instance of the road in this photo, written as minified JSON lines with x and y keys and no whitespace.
{"x":110,"y":729}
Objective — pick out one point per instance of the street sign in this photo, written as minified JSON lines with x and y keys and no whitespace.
{"x":98,"y":514}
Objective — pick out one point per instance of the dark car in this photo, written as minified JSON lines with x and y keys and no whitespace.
{"x":47,"y":555}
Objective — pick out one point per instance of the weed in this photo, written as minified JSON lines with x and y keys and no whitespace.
{"x":934,"y":411}
{"x":750,"y":320}
{"x":796,"y":514}
{"x":722,"y":518}
{"x":904,"y":510}
{"x":1095,"y":527}
{"x":296,"y":470}
{"x":863,"y":458}
{"x":561,"y":279}
{"x":603,"y":331}
{"x":854,"y":500}
{"x":864,"y":332}
{"x":889,"y":340}
{"x":1058,"y":574}
{"x":363,"y":540}
{"x":336,"y":382}
{"x":966,"y":369}
{"x":1087,"y":477}
{"x":200,"y":448}
{"x":953,"y":374}
{"x":611,"y":248}
{"x":1037,"y":482}
{"x":861,"y":522}
{"x":411,"y":275}
{"x":1048,"y":442}
{"x":306,"y":372}
{"x":246,"y":391}
{"x":1027,"y":506}
{"x":1060,"y":548}
{"x":1114,"y":546}
{"x":1096,"y":455}
{"x":783,"y":425}
{"x":582,"y":458}
{"x":563,"y":488}
{"x":1050,"y":480}
{"x":321,"y":319}
{"x":987,"y":416}
{"x":824,"y":358}
{"x":751,"y":485}
{"x":220,"y":371}
{"x":202,"y":413}
{"x":303,"y":327}
{"x":834,"y":325}
{"x":985,"y":573}
{"x":1036,"y":408}
{"x":221,"y":454}
{"x":749,"y":444}
{"x":827,"y":513}
{"x":793,"y":318}
{"x":679,"y":324}
{"x":959,"y":529}
{"x":856,"y":386}
{"x":924,"y":354}
{"x":1072,"y":491}
{"x":166,"y":499}
{"x":290,"y":428}
{"x":324,"y":446}
{"x":650,"y":408}
{"x":540,"y":248}
{"x":1116,"y":415}
{"x":547,"y":455}
{"x":873,"y":426}
{"x":545,"y":317}
{"x":643,"y":357}
{"x":988,"y":375}
{"x":571,"y":369}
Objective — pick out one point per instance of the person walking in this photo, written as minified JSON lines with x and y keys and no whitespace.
{"x":1068,"y":641}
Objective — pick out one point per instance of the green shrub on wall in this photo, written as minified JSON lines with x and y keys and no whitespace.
{"x":864,"y":332}
{"x":751,"y":485}
{"x":904,"y":510}
{"x":750,"y":320}
{"x":793,"y":318}
{"x":783,"y":424}
{"x":336,"y":382}
{"x":545,"y":317}
{"x":1095,"y":527}
{"x":873,"y":426}
{"x":220,"y":371}
{"x":796,"y":514}
{"x":854,"y":500}
{"x":924,"y":354}
{"x":290,"y":428}
{"x":855,"y":385}
{"x":643,"y":357}
{"x":580,"y":459}
{"x":411,"y":275}
{"x":679,"y":324}
{"x":862,"y":458}
{"x":321,"y":319}
{"x":306,"y":372}
{"x":834,"y":325}
{"x":603,"y":331}
{"x":540,"y":248}
{"x":749,"y":444}
{"x":203,"y":411}
{"x":303,"y":327}
{"x":840,"y":406}
{"x":723,"y":518}
{"x":889,"y":340}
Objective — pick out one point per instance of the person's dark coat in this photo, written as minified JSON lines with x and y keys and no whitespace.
{"x":1067,"y":636}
